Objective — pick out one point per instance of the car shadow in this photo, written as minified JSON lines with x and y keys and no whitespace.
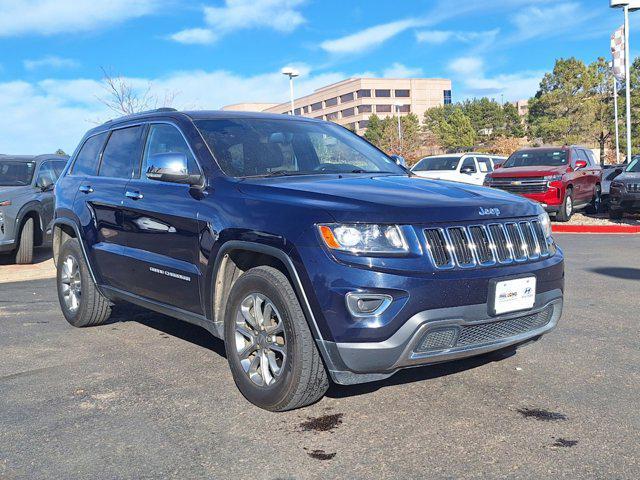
{"x":168,"y":325}
{"x":40,"y":255}
{"x":624,"y":273}
{"x":417,"y":374}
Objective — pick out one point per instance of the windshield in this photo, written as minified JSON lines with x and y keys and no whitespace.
{"x":535,"y":158}
{"x":15,"y":174}
{"x":634,"y":166}
{"x":437,"y":163}
{"x":249,"y":147}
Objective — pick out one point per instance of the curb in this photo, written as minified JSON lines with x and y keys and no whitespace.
{"x":618,"y":229}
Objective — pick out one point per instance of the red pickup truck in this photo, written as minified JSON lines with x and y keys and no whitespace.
{"x":561,"y":179}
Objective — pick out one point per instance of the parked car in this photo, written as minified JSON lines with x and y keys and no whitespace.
{"x":563,"y":179}
{"x":458,"y":167}
{"x":625,"y":191}
{"x":308,"y":250}
{"x":609,"y":173}
{"x":26,"y":202}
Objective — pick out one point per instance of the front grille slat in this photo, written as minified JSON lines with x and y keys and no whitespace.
{"x":521,"y":185}
{"x":486,"y":244}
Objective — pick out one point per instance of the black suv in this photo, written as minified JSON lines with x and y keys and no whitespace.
{"x":308,"y":250}
{"x":624,"y":196}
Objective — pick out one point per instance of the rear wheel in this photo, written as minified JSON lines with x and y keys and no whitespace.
{"x":272,"y":355}
{"x":24,"y":254}
{"x":82,"y":303}
{"x":596,"y":203}
{"x":566,"y":209}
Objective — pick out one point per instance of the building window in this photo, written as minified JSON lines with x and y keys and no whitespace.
{"x":298,"y":111}
{"x":347,"y":97}
{"x":363,"y":123}
{"x":447,"y":97}
{"x":383,"y":108}
{"x":349,"y":112}
{"x":364,"y":109}
{"x":332,"y":116}
{"x":306,"y":109}
{"x":320,"y":117}
{"x":351,"y":126}
{"x":330,"y":102}
{"x":316,"y":106}
{"x":404,"y":108}
{"x":383,"y":93}
{"x":402,"y":93}
{"x":364,"y":93}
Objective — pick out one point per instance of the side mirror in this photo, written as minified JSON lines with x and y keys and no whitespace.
{"x":580,"y":164}
{"x":467,"y":170}
{"x":170,"y":167}
{"x":399,"y":160}
{"x":46,"y":187}
{"x":618,"y":171}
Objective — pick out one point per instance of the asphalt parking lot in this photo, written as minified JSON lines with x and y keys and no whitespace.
{"x":150,"y":397}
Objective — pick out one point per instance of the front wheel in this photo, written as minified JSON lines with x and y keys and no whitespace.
{"x":24,"y":254}
{"x":566,"y":209}
{"x":272,"y":355}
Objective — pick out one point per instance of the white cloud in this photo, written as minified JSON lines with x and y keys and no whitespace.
{"x":43,"y":116}
{"x":466,"y":66}
{"x":50,"y":61}
{"x":398,"y":70}
{"x":470,"y":80}
{"x":556,"y":20}
{"x":280,"y":15}
{"x":194,"y":36}
{"x":438,"y":37}
{"x":368,"y":38}
{"x":48,"y":17}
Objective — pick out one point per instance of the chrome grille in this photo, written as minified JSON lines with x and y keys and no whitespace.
{"x":520,"y":185}
{"x":485,"y":245}
{"x":483,"y":333}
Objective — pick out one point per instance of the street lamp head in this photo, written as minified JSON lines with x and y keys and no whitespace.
{"x":290,"y":72}
{"x":632,"y":4}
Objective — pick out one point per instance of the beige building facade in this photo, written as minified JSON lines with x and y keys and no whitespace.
{"x":351,"y":102}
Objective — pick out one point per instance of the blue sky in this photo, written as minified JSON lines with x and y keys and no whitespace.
{"x":215,"y":52}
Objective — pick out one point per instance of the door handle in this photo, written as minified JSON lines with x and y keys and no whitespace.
{"x":86,"y":189}
{"x":134,"y":195}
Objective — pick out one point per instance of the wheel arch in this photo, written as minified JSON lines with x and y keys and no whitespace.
{"x":31,"y":210}
{"x":63,"y":230}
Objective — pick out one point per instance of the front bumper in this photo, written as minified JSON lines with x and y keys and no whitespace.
{"x":351,"y":363}
{"x":628,"y":202}
{"x":7,"y":245}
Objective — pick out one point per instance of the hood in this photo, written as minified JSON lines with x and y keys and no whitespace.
{"x":7,"y":193}
{"x":539,"y":171}
{"x":390,"y":199}
{"x":628,"y":176}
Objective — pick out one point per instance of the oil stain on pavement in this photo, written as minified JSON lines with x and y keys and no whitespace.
{"x":325,"y":423}
{"x":541,"y":414}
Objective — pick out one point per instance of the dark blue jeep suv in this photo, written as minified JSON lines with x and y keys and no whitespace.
{"x":309,"y":251}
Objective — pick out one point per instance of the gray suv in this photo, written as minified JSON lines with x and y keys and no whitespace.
{"x":26,"y":202}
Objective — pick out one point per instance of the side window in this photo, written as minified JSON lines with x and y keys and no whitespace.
{"x":122,"y":154}
{"x":46,"y":175}
{"x":58,"y":167}
{"x":591,"y":159}
{"x":86,"y":162}
{"x":468,"y":163}
{"x":164,"y":138}
{"x":484,"y":164}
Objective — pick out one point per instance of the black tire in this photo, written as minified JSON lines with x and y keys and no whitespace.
{"x":596,"y":202}
{"x":566,"y":210}
{"x":616,"y":214}
{"x":303,"y":379}
{"x":93,"y":307}
{"x":24,"y":254}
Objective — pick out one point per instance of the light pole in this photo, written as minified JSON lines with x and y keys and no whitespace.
{"x":398,"y":105}
{"x":615,"y":115}
{"x":291,"y":73}
{"x":628,"y":6}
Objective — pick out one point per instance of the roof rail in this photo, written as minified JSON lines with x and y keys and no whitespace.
{"x":145,"y":112}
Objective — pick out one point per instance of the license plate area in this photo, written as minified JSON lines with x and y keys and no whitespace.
{"x":507,"y":295}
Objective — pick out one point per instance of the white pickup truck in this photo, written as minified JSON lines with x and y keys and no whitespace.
{"x":458,"y":167}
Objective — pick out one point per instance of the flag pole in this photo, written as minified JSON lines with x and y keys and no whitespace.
{"x":627,"y":54}
{"x":615,"y":116}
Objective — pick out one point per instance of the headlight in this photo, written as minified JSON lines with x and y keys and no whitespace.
{"x":553,"y":178}
{"x":545,"y":223}
{"x":364,"y":238}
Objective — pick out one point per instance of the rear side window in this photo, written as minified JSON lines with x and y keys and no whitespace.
{"x":469,"y":163}
{"x":164,"y":138}
{"x":121,"y":156}
{"x":484,"y":164}
{"x":86,"y":162}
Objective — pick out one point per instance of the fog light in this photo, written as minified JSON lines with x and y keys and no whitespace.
{"x":367,"y":304}
{"x":439,"y":339}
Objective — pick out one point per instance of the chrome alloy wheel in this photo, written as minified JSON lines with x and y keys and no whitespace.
{"x":260,"y":339}
{"x":569,"y":207}
{"x":71,"y":283}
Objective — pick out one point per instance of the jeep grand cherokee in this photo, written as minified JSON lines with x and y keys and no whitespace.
{"x":309,"y":251}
